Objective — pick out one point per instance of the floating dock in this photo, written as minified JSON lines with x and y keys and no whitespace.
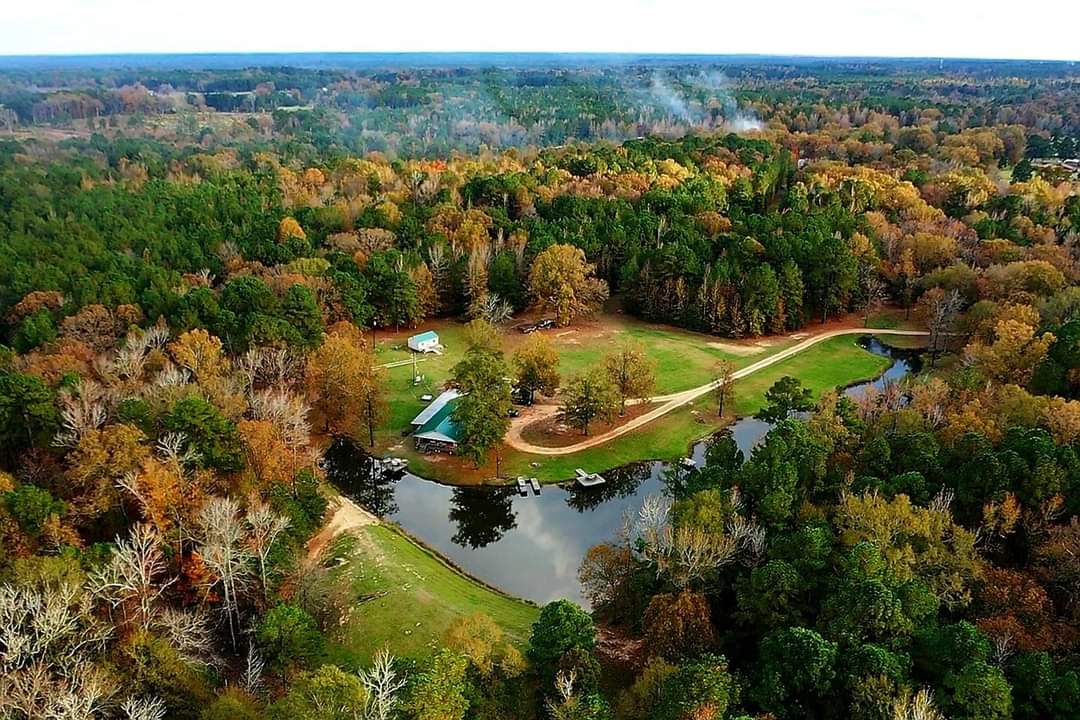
{"x":585,"y":479}
{"x":390,"y":466}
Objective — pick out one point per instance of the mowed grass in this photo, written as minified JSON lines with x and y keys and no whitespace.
{"x":405,"y":598}
{"x":682,"y":359}
{"x":666,"y":438}
{"x":830,"y":364}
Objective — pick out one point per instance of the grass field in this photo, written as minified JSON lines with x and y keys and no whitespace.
{"x":835,"y":362}
{"x":414,"y":596}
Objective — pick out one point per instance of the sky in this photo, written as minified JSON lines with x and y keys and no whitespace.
{"x":1034,"y":29}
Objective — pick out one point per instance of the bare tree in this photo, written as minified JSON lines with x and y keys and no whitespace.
{"x":190,"y":633}
{"x":439,"y":265}
{"x":495,"y":310}
{"x":270,"y":366}
{"x":82,"y":410}
{"x":264,"y":526}
{"x":251,"y":678}
{"x":48,"y":638}
{"x":919,"y":706}
{"x":940,"y":309}
{"x":383,"y":684}
{"x":172,"y":376}
{"x":223,"y":547}
{"x":286,"y":411}
{"x":133,"y":574}
{"x":687,"y":554}
{"x":148,"y":708}
{"x":724,"y":385}
{"x":873,"y":294}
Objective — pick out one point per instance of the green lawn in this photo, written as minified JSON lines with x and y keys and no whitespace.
{"x":414,"y":597}
{"x":682,"y":359}
{"x":835,"y":362}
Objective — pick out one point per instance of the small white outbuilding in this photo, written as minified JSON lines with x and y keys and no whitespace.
{"x":425,"y":342}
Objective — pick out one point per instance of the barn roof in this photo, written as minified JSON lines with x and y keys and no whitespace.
{"x":436,"y":405}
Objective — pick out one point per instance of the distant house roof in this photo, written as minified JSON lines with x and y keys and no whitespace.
{"x":441,"y":426}
{"x":424,"y":336}
{"x":436,"y":405}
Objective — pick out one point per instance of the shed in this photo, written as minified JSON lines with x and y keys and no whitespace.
{"x":425,"y":342}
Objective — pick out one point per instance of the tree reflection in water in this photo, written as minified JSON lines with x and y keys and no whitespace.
{"x":620,"y":483}
{"x":482,"y":514}
{"x":352,"y":470}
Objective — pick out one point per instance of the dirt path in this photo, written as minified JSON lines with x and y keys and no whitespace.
{"x":674,"y":400}
{"x":346,"y":515}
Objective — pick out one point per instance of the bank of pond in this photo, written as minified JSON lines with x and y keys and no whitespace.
{"x":531,"y":546}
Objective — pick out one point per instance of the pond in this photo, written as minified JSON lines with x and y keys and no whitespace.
{"x":532,"y":546}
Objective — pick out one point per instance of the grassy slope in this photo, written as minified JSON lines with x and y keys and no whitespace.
{"x":423,"y":597}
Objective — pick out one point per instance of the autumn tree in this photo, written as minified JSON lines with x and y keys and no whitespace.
{"x":200,"y":353}
{"x":915,"y":542}
{"x":586,"y":397}
{"x":289,"y":228}
{"x":560,"y":281}
{"x":344,"y":386}
{"x":724,"y":385}
{"x":632,"y":373}
{"x":678,"y":625}
{"x":98,"y":464}
{"x":1015,"y":351}
{"x":536,"y":366}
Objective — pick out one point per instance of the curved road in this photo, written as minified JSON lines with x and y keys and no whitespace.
{"x":674,"y":400}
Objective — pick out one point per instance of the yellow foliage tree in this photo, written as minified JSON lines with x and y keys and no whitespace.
{"x":561,"y":281}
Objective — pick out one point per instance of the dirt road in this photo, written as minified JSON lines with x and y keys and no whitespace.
{"x":674,"y":400}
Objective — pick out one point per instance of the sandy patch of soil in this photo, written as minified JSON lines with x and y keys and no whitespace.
{"x":736,"y":348}
{"x":548,"y":431}
{"x":346,"y":516}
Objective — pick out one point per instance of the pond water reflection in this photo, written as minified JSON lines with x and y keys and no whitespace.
{"x":531,"y":546}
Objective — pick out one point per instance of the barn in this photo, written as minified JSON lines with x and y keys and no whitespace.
{"x":434,"y":428}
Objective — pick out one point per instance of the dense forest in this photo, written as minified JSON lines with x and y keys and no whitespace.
{"x":191,"y":265}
